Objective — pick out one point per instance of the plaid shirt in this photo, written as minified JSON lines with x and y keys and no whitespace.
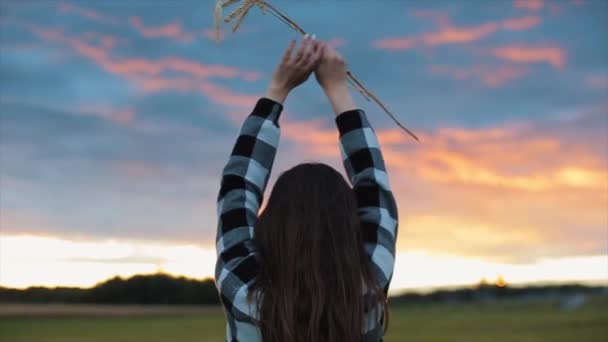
{"x":244,"y":180}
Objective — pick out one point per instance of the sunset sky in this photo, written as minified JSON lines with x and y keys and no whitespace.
{"x":117,"y":118}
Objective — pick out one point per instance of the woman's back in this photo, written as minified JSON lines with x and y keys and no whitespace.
{"x":316,"y":264}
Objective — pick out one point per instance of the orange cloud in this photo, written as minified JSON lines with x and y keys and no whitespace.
{"x":531,"y":5}
{"x":86,"y":13}
{"x":519,"y":24}
{"x":512,"y":192}
{"x":324,"y":141}
{"x":480,"y":157}
{"x":493,"y":76}
{"x":552,"y":55}
{"x":172,"y":30}
{"x":504,"y":158}
{"x":466,"y":236}
{"x":513,"y":157}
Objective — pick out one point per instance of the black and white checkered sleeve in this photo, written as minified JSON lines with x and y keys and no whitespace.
{"x":244,"y":179}
{"x":377,"y":210}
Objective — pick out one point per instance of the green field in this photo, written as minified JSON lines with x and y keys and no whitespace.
{"x":437,"y":322}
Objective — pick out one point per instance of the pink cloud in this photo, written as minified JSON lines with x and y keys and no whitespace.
{"x":172,"y":30}
{"x":498,"y":76}
{"x":519,"y":24}
{"x":554,"y":8}
{"x":336,"y":42}
{"x":138,"y":169}
{"x":121,"y":116}
{"x":446,"y":35}
{"x":86,"y":13}
{"x":403,"y":43}
{"x":214,"y":92}
{"x":489,"y":75}
{"x":459,"y":35}
{"x":236,"y":116}
{"x":552,"y":55}
{"x":211,"y":34}
{"x":154,"y":84}
{"x":452,"y":34}
{"x":225,"y":96}
{"x":19,"y":221}
{"x":531,"y":5}
{"x":147,"y":75}
{"x":457,"y":73}
{"x":312,"y":133}
{"x":198,"y":69}
{"x":441,"y":18}
{"x":130,"y":66}
{"x":106,"y":41}
{"x":251,"y":76}
{"x":597,"y":81}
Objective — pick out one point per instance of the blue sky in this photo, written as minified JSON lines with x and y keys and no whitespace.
{"x":117,"y":118}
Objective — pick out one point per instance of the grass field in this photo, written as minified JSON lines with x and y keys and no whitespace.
{"x":438,"y":322}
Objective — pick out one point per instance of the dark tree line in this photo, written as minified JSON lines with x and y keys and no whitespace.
{"x":165,"y":289}
{"x":487,"y":292}
{"x":140,"y":289}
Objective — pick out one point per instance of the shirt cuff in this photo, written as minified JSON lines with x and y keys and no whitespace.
{"x":351,"y":120}
{"x":268,"y":109}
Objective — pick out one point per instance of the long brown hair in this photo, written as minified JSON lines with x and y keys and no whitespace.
{"x":313,"y":265}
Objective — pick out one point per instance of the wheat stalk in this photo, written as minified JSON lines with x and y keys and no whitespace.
{"x":244,"y":9}
{"x":264,"y":6}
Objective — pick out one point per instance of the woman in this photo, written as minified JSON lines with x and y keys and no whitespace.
{"x":315,"y":266}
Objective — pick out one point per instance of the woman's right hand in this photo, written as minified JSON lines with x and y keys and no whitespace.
{"x":331,"y":75}
{"x":331,"y":71}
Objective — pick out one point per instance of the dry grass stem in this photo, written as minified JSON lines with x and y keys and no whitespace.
{"x":246,"y":7}
{"x":264,"y":6}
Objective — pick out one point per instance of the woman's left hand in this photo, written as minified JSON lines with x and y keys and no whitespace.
{"x":294,"y":70}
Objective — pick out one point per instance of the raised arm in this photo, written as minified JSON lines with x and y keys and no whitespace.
{"x":244,"y":180}
{"x":365,"y":167}
{"x":377,"y":211}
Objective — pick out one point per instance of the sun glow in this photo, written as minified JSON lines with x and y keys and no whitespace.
{"x":28,"y":260}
